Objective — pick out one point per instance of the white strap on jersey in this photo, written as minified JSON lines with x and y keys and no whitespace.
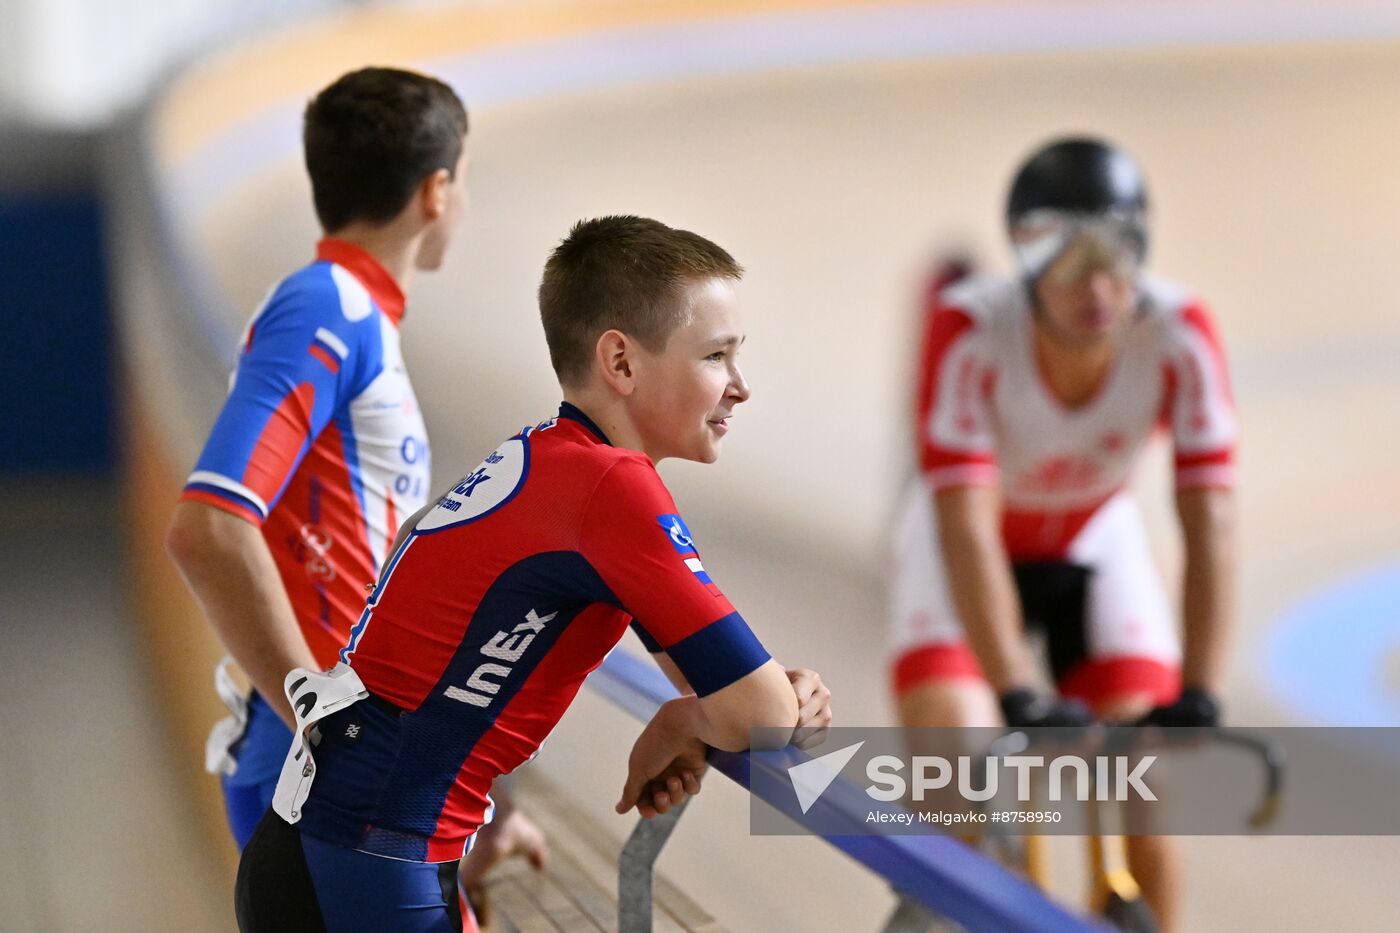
{"x":313,"y":696}
{"x":218,"y":757}
{"x":486,"y":819}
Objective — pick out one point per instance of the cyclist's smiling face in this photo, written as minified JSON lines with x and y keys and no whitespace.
{"x":686,"y":392}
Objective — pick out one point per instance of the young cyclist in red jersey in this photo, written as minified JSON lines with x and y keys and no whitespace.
{"x":1036,"y":397}
{"x":502,"y":595}
{"x":320,"y":449}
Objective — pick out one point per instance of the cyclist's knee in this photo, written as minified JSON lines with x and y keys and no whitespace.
{"x":961,"y":701}
{"x":1128,"y":707}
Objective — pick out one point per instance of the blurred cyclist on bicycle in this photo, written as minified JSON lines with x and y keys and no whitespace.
{"x":1037,"y":394}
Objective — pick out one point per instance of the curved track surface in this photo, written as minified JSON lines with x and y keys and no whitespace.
{"x":834,"y":183}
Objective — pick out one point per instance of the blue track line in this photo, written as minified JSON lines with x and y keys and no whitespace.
{"x":1325,"y":659}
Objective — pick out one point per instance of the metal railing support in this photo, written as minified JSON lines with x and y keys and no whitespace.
{"x":636,"y":869}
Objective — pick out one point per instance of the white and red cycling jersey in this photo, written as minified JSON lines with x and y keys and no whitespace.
{"x":986,"y":416}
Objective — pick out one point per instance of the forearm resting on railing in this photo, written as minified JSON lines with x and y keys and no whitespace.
{"x":762,"y":699}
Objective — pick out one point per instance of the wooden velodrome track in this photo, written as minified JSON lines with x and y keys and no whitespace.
{"x":833,"y":147}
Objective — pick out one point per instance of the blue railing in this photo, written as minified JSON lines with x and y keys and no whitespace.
{"x":942,"y":874}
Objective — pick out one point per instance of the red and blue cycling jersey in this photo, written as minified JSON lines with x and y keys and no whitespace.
{"x":321,"y":442}
{"x":503,"y":597}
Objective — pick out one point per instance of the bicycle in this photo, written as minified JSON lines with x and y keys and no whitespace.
{"x":1116,"y":895}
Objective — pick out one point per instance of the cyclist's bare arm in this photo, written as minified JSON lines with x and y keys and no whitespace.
{"x":813,"y":697}
{"x":670,"y":753}
{"x":226,"y":564}
{"x":673,"y":673}
{"x":980,"y":580}
{"x":723,"y":719}
{"x":1208,"y":530}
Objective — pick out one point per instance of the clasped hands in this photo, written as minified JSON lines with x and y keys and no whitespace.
{"x":666,"y":765}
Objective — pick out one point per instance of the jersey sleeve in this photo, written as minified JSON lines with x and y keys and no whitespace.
{"x":634,"y":538}
{"x":955,"y":440}
{"x":649,"y":643}
{"x":301,"y":361}
{"x":1201,"y":407}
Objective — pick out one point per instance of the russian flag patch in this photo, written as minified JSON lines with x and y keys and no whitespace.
{"x":698,"y":569}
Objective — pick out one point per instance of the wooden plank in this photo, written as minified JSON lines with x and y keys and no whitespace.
{"x":688,"y":914}
{"x":555,"y":901}
{"x":597,"y":903}
{"x":500,"y":923}
{"x":511,"y":902}
{"x":578,"y":891}
{"x":669,"y":899}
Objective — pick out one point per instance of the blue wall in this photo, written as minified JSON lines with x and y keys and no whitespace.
{"x":56,"y":385}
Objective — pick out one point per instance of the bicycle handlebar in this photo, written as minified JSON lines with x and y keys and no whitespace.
{"x":1124,"y":738}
